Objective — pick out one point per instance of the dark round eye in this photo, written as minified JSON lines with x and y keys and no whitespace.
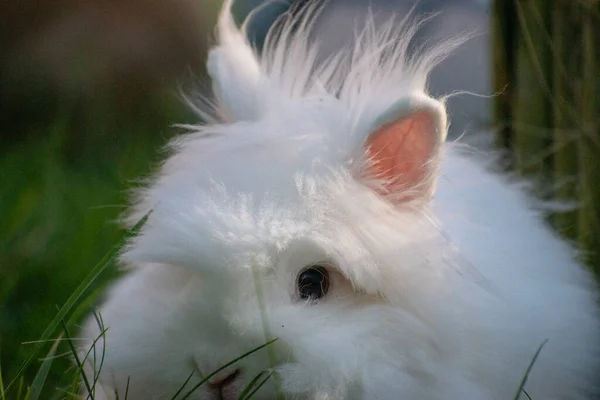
{"x":313,"y":282}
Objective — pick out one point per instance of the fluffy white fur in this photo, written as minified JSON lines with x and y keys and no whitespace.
{"x":434,"y":298}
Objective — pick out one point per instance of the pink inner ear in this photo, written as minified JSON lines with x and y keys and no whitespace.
{"x":401,"y":150}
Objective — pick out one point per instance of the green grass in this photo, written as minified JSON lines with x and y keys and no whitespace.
{"x":64,"y":180}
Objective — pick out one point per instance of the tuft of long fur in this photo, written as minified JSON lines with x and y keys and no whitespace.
{"x":446,"y":298}
{"x":383,"y":65}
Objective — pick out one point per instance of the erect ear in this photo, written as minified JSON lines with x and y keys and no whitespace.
{"x":404,"y":148}
{"x":235,"y":70}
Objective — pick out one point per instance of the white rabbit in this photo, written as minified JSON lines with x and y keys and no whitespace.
{"x":321,"y":206}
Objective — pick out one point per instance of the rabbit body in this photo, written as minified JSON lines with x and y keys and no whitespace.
{"x":442,"y":279}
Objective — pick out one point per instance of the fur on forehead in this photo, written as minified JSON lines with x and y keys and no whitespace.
{"x":222,"y":234}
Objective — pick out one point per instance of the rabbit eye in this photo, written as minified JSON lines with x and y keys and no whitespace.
{"x":313,"y":282}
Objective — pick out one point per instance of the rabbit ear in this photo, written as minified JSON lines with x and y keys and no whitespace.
{"x":404,"y":148}
{"x":234,"y":69}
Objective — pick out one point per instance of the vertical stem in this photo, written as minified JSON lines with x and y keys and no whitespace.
{"x":564,"y":24}
{"x":531,"y":108}
{"x":503,"y":42}
{"x":589,"y":213}
{"x":267,"y":331}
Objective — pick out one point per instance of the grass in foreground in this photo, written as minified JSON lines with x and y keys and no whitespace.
{"x":64,"y":179}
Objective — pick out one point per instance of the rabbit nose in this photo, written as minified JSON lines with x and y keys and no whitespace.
{"x":219,"y":382}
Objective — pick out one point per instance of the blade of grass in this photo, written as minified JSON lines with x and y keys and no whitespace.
{"x":250,"y":385}
{"x":265,"y":325}
{"x":183,"y":386}
{"x":20,"y":388}
{"x":40,"y":378}
{"x":86,"y":304}
{"x":259,"y":386}
{"x":93,"y":345}
{"x":2,"y":394}
{"x":533,"y":360}
{"x":106,"y":261}
{"x":100,"y":324}
{"x":127,"y":388}
{"x":74,"y":386}
{"x":86,"y":382}
{"x":188,"y":394}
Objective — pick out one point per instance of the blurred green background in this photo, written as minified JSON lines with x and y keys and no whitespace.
{"x":89,"y":92}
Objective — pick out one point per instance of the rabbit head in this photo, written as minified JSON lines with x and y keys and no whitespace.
{"x":300,"y":212}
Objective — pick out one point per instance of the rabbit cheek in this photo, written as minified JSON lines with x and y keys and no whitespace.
{"x":341,"y":346}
